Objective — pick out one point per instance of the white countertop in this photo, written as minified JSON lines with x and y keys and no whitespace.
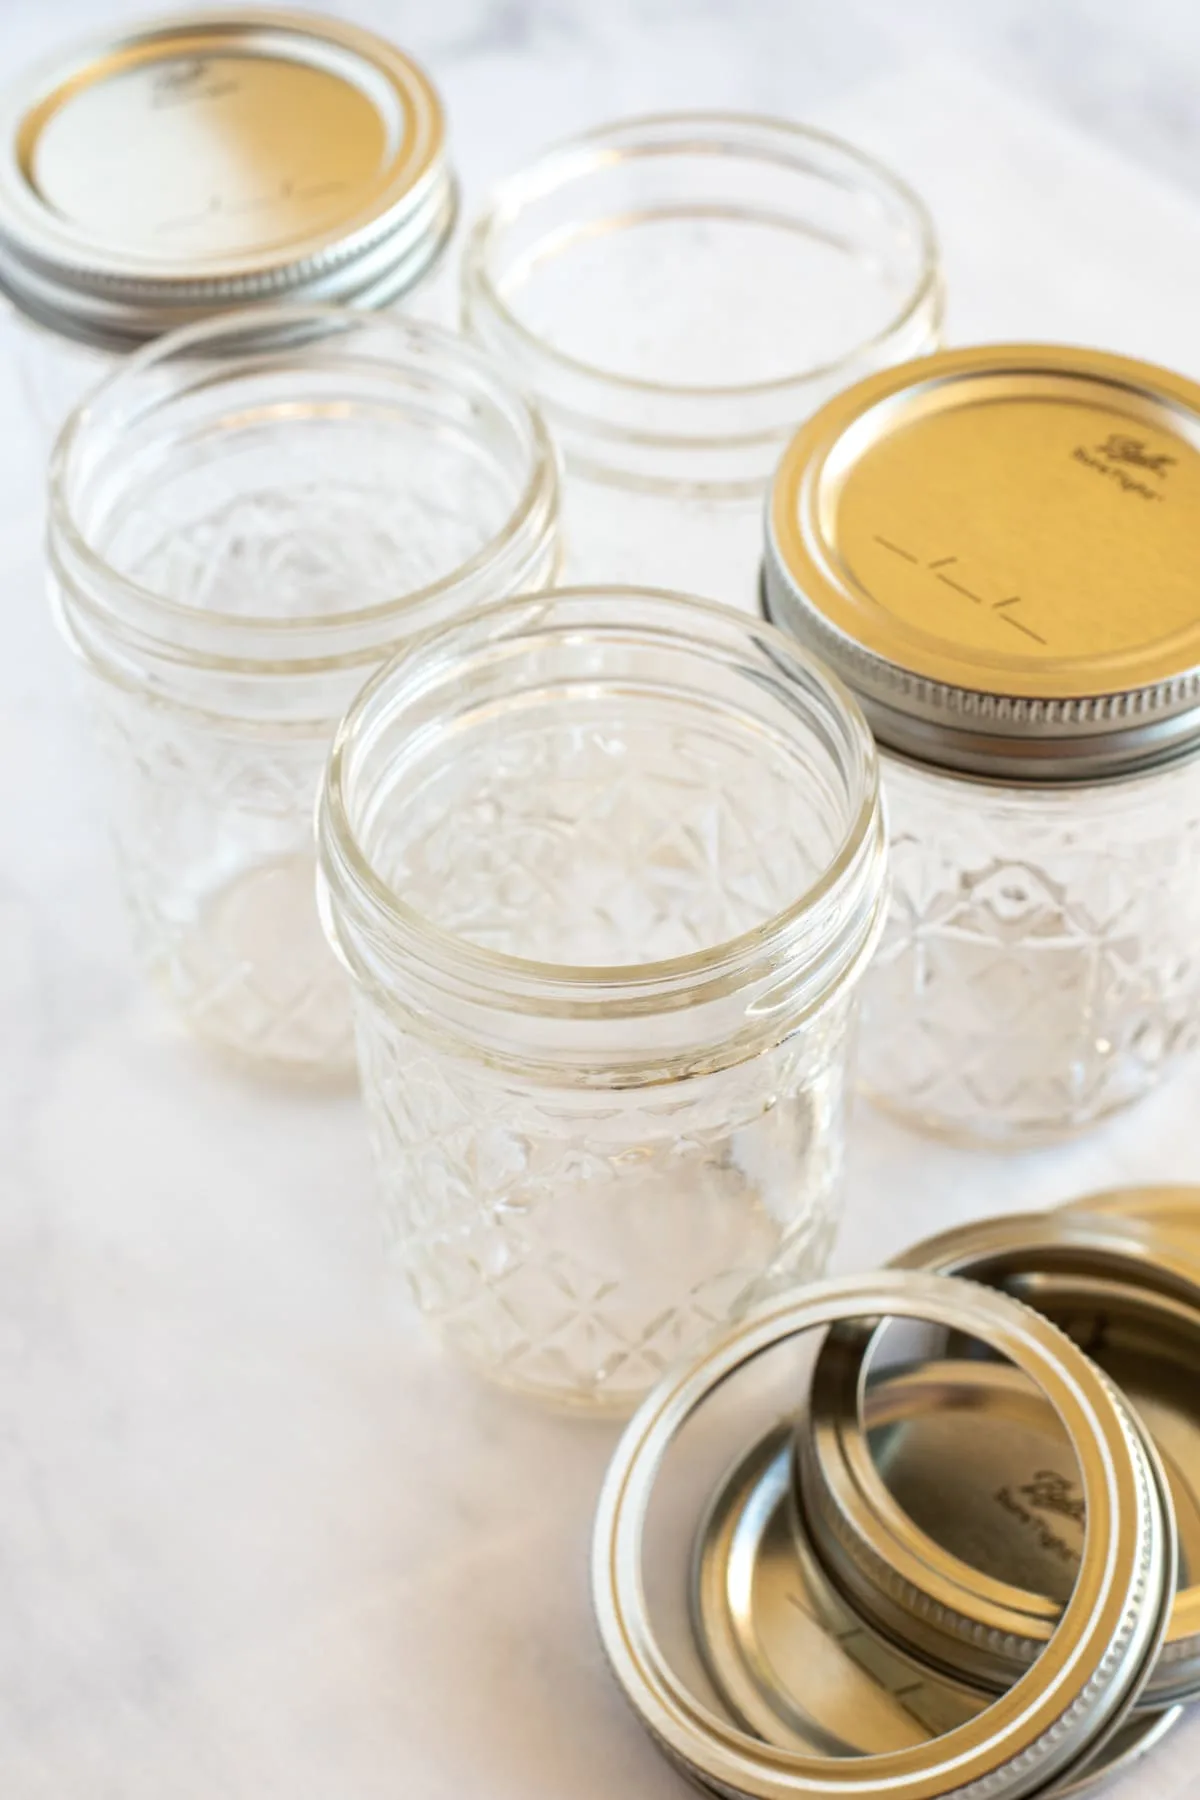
{"x":256,"y":1538}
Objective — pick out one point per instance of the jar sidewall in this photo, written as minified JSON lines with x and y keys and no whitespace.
{"x":1041,"y":951}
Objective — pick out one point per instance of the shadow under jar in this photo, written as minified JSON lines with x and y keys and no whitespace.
{"x":605,"y":867}
{"x":244,"y":522}
{"x":678,"y":293}
{"x":996,"y":548}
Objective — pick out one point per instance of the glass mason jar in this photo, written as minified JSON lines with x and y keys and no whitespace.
{"x":179,"y":168}
{"x":996,"y":548}
{"x":1040,"y":965}
{"x":605,"y":867}
{"x":244,"y":521}
{"x":677,"y":293}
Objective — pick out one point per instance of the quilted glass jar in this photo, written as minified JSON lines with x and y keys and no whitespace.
{"x":1041,"y":962}
{"x":175,"y":169}
{"x":997,"y":549}
{"x":605,"y":868}
{"x":677,"y":293}
{"x":244,"y":522}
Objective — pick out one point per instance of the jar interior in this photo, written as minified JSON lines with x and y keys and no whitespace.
{"x":707,"y":253}
{"x":602,"y":798}
{"x":293,"y":486}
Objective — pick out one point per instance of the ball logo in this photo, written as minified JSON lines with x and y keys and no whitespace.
{"x":1133,"y":452}
{"x":1127,"y":461}
{"x":1052,"y":1492}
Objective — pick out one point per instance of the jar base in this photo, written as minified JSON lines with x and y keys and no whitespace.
{"x":319,"y":1077}
{"x":253,"y":979}
{"x":1006,"y":1138}
{"x":585,"y":1404}
{"x":600,"y":1399}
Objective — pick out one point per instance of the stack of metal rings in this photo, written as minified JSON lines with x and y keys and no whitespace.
{"x":968,"y":1562}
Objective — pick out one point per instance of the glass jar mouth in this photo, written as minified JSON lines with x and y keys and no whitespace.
{"x":255,"y":340}
{"x":779,"y":141}
{"x":835,"y":919}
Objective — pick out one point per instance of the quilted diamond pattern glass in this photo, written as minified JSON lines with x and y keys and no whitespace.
{"x":1040,"y":965}
{"x":605,"y":869}
{"x":245,"y":521}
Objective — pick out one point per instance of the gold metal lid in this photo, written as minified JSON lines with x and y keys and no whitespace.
{"x":1171,"y":1211}
{"x":1046,"y":1728}
{"x":206,"y":160}
{"x":943,"y":1497}
{"x":995,"y":548}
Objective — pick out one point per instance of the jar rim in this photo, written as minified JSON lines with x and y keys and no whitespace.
{"x":588,"y":151}
{"x":347,"y":873}
{"x":263,"y":331}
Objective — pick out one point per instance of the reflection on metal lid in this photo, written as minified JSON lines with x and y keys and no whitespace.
{"x":798,"y":1667}
{"x":799,"y":1731}
{"x":944,"y":1495}
{"x":203,"y":161}
{"x":995,"y":547}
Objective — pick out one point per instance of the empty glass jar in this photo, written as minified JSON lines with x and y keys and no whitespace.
{"x":605,"y":869}
{"x":244,"y":521}
{"x":677,"y":293}
{"x":179,"y":168}
{"x":1040,"y":965}
{"x":996,"y":547}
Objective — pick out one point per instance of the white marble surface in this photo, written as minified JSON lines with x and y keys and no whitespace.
{"x":256,"y":1538}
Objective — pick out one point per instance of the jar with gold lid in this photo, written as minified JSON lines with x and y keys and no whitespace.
{"x":996,"y":548}
{"x":186,"y":166}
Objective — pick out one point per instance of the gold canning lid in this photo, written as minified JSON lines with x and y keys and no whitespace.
{"x":995,"y":548}
{"x":943,"y":1497}
{"x":1170,"y":1211}
{"x":199,"y":162}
